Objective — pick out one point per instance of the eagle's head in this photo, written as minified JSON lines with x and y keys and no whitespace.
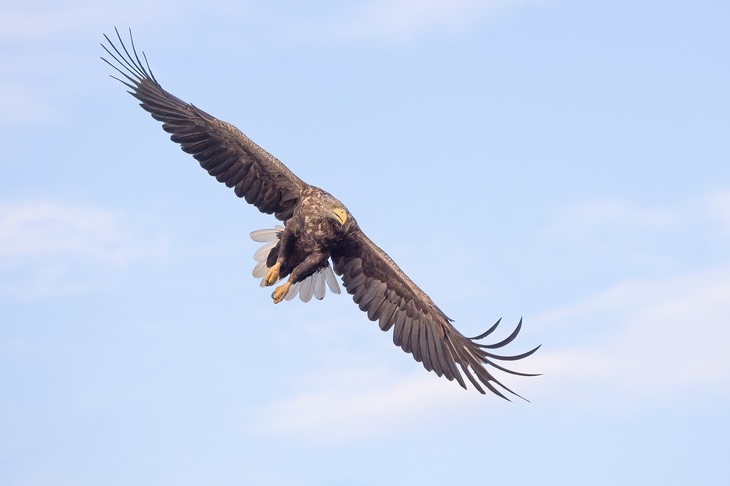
{"x":334,"y":210}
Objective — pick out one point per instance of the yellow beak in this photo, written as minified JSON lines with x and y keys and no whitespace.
{"x":340,"y":215}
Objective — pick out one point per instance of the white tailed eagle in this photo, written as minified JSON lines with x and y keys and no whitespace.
{"x":318,"y":229}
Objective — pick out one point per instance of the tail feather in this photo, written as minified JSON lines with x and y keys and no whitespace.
{"x":313,"y":286}
{"x":266,"y":235}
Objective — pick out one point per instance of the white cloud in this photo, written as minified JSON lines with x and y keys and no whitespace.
{"x":606,"y":226}
{"x":591,"y":220}
{"x":660,"y":326}
{"x":18,"y":104}
{"x":357,"y":404}
{"x":717,"y":205}
{"x":399,"y":21}
{"x":44,"y":61}
{"x":635,"y":345}
{"x":610,"y":212}
{"x":613,"y":237}
{"x":42,"y":39}
{"x":33,"y":20}
{"x":369,"y":20}
{"x":42,"y":228}
{"x":641,"y":342}
{"x":51,"y":248}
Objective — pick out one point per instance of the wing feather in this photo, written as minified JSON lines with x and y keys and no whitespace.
{"x":398,"y":328}
{"x":381,"y":289}
{"x":452,"y":359}
{"x":220,"y":148}
{"x":386,"y":313}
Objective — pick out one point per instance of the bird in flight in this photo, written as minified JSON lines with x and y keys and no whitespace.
{"x":319,"y":237}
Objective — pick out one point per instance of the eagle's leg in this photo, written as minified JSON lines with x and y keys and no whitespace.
{"x":273,"y":274}
{"x":281,"y":291}
{"x":300,"y":272}
{"x":282,"y":249}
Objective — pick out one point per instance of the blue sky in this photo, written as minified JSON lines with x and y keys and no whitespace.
{"x":561,"y":161}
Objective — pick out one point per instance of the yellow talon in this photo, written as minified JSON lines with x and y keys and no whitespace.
{"x":280,"y":292}
{"x":273,"y":274}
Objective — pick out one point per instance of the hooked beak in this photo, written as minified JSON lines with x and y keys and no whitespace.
{"x":340,"y":215}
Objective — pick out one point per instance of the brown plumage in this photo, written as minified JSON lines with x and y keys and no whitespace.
{"x":317,"y":229}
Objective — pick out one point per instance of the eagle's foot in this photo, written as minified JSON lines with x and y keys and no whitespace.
{"x":280,"y":292}
{"x":273,"y":274}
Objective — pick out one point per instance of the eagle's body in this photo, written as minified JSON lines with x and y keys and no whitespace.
{"x":312,"y":235}
{"x":317,"y":230}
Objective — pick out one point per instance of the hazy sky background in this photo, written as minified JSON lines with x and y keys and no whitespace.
{"x":561,"y":161}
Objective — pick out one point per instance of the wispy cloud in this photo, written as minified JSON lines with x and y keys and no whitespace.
{"x":635,"y":345}
{"x":41,"y":229}
{"x":398,"y":21}
{"x":48,"y":248}
{"x":38,"y":34}
{"x":659,"y":326}
{"x":641,"y":341}
{"x":381,"y":21}
{"x":42,"y":63}
{"x":599,"y":219}
{"x":614,"y":236}
{"x":717,"y":206}
{"x":18,"y":104}
{"x":595,"y":214}
{"x":355,"y":404}
{"x":33,"y":20}
{"x":608,"y":225}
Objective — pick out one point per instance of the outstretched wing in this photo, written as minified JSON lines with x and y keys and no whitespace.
{"x":388,"y":296}
{"x":226,"y":153}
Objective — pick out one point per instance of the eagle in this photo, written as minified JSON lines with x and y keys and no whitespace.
{"x":319,"y":237}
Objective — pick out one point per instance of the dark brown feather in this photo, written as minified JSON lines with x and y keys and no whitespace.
{"x":382,"y":290}
{"x":220,"y":148}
